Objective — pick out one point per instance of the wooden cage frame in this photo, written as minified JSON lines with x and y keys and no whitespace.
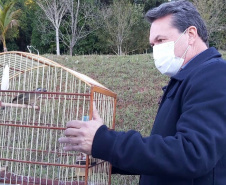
{"x":13,"y":122}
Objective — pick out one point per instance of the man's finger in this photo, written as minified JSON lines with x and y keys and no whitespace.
{"x":74,"y":124}
{"x":70,"y":140}
{"x":72,"y":143}
{"x":71,"y":132}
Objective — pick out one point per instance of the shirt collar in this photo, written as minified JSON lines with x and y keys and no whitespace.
{"x":191,"y":60}
{"x":196,"y":61}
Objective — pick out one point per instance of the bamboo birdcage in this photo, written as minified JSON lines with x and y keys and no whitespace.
{"x":29,"y":149}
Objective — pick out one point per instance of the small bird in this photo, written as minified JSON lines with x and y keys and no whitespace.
{"x":28,"y":98}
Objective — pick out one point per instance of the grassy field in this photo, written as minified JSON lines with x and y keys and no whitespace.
{"x":138,"y":86}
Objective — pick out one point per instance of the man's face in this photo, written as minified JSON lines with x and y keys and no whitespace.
{"x":162,"y":31}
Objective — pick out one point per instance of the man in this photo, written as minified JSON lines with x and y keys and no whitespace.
{"x":187,"y":145}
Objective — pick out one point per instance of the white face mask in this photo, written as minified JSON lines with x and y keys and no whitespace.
{"x":165,"y":60}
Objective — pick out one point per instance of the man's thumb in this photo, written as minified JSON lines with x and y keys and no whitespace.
{"x":96,"y":115}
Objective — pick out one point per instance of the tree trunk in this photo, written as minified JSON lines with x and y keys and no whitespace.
{"x":120,"y":49}
{"x":71,"y":48}
{"x":57,"y":42}
{"x":118,"y":52}
{"x":4,"y":43}
{"x":71,"y":51}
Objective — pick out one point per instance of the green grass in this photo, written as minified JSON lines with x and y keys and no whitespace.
{"x":138,"y":86}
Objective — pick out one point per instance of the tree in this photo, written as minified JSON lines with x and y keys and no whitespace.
{"x":137,"y":40}
{"x":213,"y":12}
{"x":43,"y":35}
{"x":79,"y":23}
{"x":54,"y":11}
{"x":119,"y":18}
{"x":26,"y":19}
{"x":8,"y":21}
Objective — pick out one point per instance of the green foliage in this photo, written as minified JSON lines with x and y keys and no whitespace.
{"x":81,"y":20}
{"x":137,"y":41}
{"x":219,"y":40}
{"x":26,"y":21}
{"x":121,"y":20}
{"x":8,"y":21}
{"x":43,"y":34}
{"x":213,"y":12}
{"x":12,"y":46}
{"x":148,"y":4}
{"x":90,"y":45}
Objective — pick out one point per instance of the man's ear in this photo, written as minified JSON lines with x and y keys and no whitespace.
{"x":192,"y":34}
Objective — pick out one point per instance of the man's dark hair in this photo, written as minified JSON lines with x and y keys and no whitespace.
{"x":184,"y":14}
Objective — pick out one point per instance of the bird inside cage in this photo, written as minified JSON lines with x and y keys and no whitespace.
{"x":28,"y":98}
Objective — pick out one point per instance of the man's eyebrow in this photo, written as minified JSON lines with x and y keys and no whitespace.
{"x":156,"y":39}
{"x":158,"y":36}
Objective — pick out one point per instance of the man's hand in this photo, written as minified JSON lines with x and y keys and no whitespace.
{"x":80,"y":134}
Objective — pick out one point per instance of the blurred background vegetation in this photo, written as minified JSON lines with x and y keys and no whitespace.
{"x":80,"y":27}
